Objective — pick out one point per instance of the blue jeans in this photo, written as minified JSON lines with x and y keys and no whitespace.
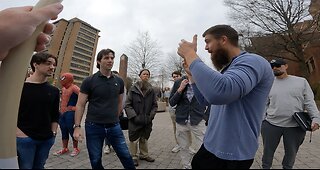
{"x":66,"y":123}
{"x":95,"y":135}
{"x":33,"y":154}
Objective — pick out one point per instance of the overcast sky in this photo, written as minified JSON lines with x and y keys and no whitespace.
{"x":167,"y":21}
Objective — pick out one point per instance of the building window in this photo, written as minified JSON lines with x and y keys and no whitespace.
{"x":79,"y":72}
{"x":311,"y":65}
{"x":82,"y":51}
{"x":79,"y":67}
{"x":81,"y":56}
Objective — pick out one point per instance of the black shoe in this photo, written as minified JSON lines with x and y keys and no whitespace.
{"x":135,"y":162}
{"x":148,"y":159}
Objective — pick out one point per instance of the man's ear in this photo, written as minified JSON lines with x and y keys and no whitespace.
{"x":224,"y":39}
{"x":34,"y":65}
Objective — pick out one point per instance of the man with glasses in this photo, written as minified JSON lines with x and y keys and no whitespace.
{"x":289,"y":94}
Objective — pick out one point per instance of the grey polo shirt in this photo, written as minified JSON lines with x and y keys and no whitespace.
{"x":103,"y":94}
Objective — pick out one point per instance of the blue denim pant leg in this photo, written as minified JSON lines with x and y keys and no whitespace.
{"x":66,"y":123}
{"x":33,"y":154}
{"x":95,"y":134}
{"x":118,"y":142}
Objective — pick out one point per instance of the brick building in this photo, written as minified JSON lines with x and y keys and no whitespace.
{"x":265,"y":45}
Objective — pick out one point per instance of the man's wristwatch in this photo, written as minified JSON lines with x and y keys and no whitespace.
{"x":54,"y":133}
{"x":76,"y":126}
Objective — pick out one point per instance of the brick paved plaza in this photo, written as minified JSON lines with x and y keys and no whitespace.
{"x":160,"y":144}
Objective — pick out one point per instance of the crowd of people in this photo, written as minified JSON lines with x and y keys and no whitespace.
{"x":225,"y":110}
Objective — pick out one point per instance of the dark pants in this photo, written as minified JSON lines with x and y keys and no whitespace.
{"x":66,"y":123}
{"x":292,"y":139}
{"x":204,"y":159}
{"x":95,"y":135}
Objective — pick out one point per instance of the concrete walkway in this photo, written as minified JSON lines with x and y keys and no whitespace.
{"x":162,"y":141}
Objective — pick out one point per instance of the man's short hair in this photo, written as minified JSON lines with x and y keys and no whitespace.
{"x":223,"y":30}
{"x":102,"y":53}
{"x":41,"y":57}
{"x":177,"y":73}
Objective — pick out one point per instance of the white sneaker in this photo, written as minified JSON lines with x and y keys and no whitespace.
{"x":192,"y":151}
{"x":106,"y":149}
{"x":176,"y":149}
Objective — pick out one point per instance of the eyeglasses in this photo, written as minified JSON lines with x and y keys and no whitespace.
{"x":275,"y":65}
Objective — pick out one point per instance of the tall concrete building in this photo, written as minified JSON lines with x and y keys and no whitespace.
{"x":74,"y":42}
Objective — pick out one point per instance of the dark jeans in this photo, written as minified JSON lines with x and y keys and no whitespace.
{"x":95,"y":135}
{"x":292,"y":138}
{"x":66,"y":123}
{"x":33,"y":154}
{"x":204,"y":159}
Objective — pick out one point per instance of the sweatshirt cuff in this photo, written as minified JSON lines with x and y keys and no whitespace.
{"x":316,"y":120}
{"x":194,"y":63}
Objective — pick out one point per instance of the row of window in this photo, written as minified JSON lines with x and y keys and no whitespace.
{"x":85,"y":41}
{"x":311,"y":65}
{"x":80,"y":67}
{"x":89,"y":28}
{"x":81,"y":56}
{"x":82,"y":50}
{"x":80,"y":34}
{"x":84,"y":46}
{"x":80,"y":61}
{"x":87,"y":32}
{"x":79,"y":72}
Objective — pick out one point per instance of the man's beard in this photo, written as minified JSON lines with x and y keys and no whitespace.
{"x":220,"y":58}
{"x":277,"y":73}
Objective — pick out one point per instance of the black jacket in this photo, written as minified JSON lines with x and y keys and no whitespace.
{"x":184,"y":107}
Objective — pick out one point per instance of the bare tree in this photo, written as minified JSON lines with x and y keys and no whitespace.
{"x":173,"y":63}
{"x":285,"y":24}
{"x":143,"y":52}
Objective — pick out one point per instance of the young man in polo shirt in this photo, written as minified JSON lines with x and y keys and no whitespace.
{"x":104,"y":92}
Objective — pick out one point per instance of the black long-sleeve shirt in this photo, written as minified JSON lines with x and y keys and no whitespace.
{"x":39,"y":108}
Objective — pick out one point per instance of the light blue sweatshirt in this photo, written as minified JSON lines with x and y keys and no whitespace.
{"x":238,"y":100}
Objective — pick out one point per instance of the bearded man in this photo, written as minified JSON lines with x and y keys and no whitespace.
{"x":237,"y":94}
